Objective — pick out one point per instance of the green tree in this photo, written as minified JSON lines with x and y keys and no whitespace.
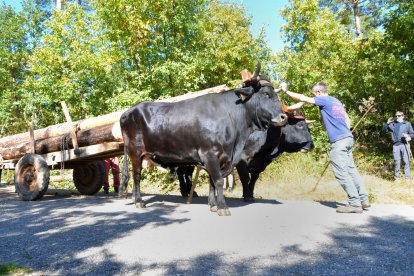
{"x":74,"y":63}
{"x":19,"y":35}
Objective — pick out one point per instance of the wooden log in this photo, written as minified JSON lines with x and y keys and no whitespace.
{"x":61,"y":129}
{"x":19,"y":142}
{"x":88,"y":137}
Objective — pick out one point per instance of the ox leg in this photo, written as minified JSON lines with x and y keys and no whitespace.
{"x":253,"y":179}
{"x":180,"y":175}
{"x":188,"y":179}
{"x":217,"y":182}
{"x":244,"y":176}
{"x":136,"y":191}
{"x":212,"y":201}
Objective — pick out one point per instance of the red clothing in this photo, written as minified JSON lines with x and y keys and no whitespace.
{"x":113,"y":164}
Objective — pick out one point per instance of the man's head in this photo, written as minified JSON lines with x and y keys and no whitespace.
{"x":319,"y":89}
{"x":400,"y":116}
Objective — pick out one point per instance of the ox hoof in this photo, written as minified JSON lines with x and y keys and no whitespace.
{"x":224,"y":212}
{"x":213,"y":208}
{"x":140,"y":204}
{"x":248,"y":199}
{"x":122,"y":195}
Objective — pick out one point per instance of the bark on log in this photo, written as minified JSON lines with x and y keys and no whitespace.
{"x":61,"y":129}
{"x":88,"y":137}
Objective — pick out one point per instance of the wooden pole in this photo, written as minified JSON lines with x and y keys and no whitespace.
{"x":190,"y":196}
{"x":73,"y":130}
{"x":32,"y":139}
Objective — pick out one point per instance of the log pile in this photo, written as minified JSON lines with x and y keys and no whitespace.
{"x":92,"y":131}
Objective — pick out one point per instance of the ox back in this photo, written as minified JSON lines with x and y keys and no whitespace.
{"x":209,"y":130}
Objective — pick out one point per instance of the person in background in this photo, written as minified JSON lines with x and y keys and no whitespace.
{"x":337,"y":126}
{"x":401,"y":133}
{"x":113,"y":165}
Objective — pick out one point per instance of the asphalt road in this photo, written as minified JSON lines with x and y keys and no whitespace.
{"x":103,"y":235}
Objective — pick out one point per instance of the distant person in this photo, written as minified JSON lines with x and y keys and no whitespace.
{"x":401,"y":134}
{"x":337,"y":126}
{"x":113,"y":165}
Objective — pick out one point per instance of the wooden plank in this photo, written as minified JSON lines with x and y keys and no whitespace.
{"x":90,"y":151}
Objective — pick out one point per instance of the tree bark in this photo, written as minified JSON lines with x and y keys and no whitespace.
{"x":88,"y":137}
{"x":358,"y":28}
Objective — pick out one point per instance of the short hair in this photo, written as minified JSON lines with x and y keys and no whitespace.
{"x":399,"y":113}
{"x":321,"y":86}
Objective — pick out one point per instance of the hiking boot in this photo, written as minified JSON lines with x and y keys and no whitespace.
{"x":365,"y":204}
{"x":106,"y":190}
{"x":116,"y":189}
{"x":349,"y":209}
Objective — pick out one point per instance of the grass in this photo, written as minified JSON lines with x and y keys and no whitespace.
{"x":294,"y":177}
{"x":11,"y":269}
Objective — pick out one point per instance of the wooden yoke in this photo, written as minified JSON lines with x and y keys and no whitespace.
{"x":73,"y":130}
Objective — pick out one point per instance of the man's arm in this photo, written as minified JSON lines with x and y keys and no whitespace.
{"x":300,"y":97}
{"x":410,"y":130}
{"x":296,"y":96}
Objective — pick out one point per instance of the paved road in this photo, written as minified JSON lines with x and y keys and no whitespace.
{"x":102,"y":235}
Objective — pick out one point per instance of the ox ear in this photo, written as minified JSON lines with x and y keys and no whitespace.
{"x":244,"y":93}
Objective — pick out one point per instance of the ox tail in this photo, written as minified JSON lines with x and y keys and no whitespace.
{"x":125,"y":175}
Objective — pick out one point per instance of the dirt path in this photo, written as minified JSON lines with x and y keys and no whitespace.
{"x":101,"y":235}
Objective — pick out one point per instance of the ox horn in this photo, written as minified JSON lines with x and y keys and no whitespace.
{"x":309,"y":121}
{"x":295,"y":106}
{"x":258,"y":67}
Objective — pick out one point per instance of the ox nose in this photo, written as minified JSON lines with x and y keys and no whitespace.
{"x":280,"y":120}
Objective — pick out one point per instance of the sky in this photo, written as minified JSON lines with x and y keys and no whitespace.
{"x":264,"y":13}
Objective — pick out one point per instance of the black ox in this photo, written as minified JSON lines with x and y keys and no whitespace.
{"x":261,"y":149}
{"x":209,"y":130}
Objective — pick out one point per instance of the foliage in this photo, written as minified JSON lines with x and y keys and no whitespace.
{"x":103,"y":56}
{"x":12,"y":269}
{"x":378,"y":68}
{"x":19,"y":34}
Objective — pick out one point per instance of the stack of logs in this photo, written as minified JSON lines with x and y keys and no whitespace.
{"x":89,"y":132}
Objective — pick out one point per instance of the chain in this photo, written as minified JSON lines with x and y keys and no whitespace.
{"x":63,"y":146}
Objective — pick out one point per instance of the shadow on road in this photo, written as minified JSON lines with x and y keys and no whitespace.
{"x":55,"y":234}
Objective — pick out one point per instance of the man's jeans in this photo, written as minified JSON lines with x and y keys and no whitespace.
{"x":401,"y":151}
{"x":345,"y":171}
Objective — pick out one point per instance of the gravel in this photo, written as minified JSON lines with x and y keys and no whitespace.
{"x":66,"y":234}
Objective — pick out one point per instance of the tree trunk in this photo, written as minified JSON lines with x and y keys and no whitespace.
{"x":358,"y":28}
{"x":61,"y":129}
{"x":88,"y":137}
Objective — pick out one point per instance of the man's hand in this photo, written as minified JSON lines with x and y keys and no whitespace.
{"x":407,"y":137}
{"x":390,"y":120}
{"x":283,"y":86}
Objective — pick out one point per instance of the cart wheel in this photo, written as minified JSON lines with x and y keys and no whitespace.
{"x":31,"y":177}
{"x":88,"y":179}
